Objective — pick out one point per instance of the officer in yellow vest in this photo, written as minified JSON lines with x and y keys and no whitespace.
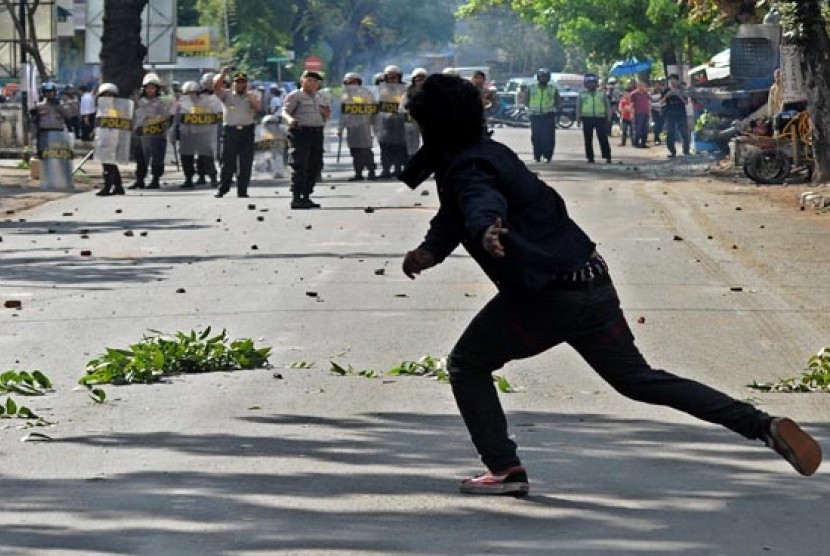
{"x":542,"y":104}
{"x":594,"y":113}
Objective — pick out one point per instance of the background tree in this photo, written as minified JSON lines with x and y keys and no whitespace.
{"x":122,"y":53}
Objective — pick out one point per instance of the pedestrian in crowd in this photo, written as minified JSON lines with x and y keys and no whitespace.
{"x":306,"y":112}
{"x":542,"y":105}
{"x":72,"y":105}
{"x":626,"y":110}
{"x":240,"y":107}
{"x":111,"y":129}
{"x":413,"y":134}
{"x":593,"y":113}
{"x":389,"y":128}
{"x":674,"y":103}
{"x":206,"y":163}
{"x":657,"y":110}
{"x":195,"y":130}
{"x":613,"y":94}
{"x":553,"y":287}
{"x":641,"y":103}
{"x":775,"y":101}
{"x":275,"y":103}
{"x":357,"y":114}
{"x":87,"y":112}
{"x":153,"y":120}
{"x":48,"y":115}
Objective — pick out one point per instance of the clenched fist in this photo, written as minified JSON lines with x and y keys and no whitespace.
{"x":417,"y":260}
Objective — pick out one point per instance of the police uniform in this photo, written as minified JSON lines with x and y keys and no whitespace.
{"x":49,"y":115}
{"x":594,"y":111}
{"x":306,"y":115}
{"x":543,"y":101}
{"x":239,"y":116}
{"x":358,"y":100}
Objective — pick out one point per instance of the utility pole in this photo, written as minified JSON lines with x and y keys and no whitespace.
{"x":23,"y":86}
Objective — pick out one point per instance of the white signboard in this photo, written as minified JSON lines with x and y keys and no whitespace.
{"x":158,"y":31}
{"x":795,"y":89}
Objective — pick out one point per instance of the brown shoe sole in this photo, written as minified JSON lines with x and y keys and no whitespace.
{"x":796,"y":446}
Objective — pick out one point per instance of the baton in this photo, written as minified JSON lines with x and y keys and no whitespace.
{"x":176,"y":155}
{"x":339,"y":145}
{"x":83,"y":161}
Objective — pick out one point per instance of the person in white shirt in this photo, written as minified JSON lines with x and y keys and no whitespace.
{"x":87,"y":111}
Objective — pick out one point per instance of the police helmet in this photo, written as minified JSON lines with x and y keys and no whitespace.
{"x":543,"y":74}
{"x":590,"y":78}
{"x":612,"y":80}
{"x":377,"y":79}
{"x":449,"y":71}
{"x":191,"y":87}
{"x":107,"y":88}
{"x":422,"y":72}
{"x":175,"y":85}
{"x":151,"y":79}
{"x":48,"y":86}
{"x":392,"y":69}
{"x":352,"y":76}
{"x":207,"y":80}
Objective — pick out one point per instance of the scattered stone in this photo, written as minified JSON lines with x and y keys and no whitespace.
{"x":417,"y":204}
{"x":84,"y":236}
{"x":425,"y":193}
{"x":180,"y":290}
{"x":369,"y":210}
{"x":401,"y":295}
{"x":251,"y":207}
{"x":678,"y":238}
{"x":311,"y":294}
{"x":738,"y":208}
{"x":118,"y":211}
{"x":278,"y":376}
{"x":69,"y":214}
{"x":308,"y":226}
{"x":380,"y":271}
{"x":86,"y":253}
{"x":641,"y":320}
{"x":263,"y":210}
{"x":736,"y":289}
{"x":710,"y":237}
{"x":13,"y":304}
{"x":218,"y":219}
{"x":734,"y":246}
{"x":143,"y":234}
{"x":129,"y":233}
{"x":10,"y":211}
{"x":260,"y":219}
{"x":51,"y":231}
{"x":254,"y":247}
{"x":762,"y":226}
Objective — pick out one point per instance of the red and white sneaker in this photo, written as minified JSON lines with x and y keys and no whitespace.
{"x":511,"y":482}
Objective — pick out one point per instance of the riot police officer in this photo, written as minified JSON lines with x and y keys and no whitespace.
{"x":240,"y":107}
{"x":390,"y":122}
{"x":195,"y":129}
{"x":112,"y":136}
{"x":153,"y":119}
{"x":49,"y":114}
{"x":357,"y":113}
{"x":206,"y":163}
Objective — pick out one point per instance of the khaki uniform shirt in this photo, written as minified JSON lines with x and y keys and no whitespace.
{"x":305,"y":108}
{"x":51,"y":115}
{"x":237,"y":109}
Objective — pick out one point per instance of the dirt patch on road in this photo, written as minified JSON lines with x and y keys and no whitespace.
{"x":19,"y":193}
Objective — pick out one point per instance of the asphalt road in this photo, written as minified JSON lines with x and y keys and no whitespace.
{"x":314,"y":463}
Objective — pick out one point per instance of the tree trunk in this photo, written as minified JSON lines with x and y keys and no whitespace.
{"x":815,"y":49}
{"x":122,"y":54}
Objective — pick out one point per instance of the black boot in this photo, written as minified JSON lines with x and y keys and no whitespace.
{"x":139,"y":184}
{"x":299,"y":202}
{"x":371,"y":175}
{"x":188,"y":183}
{"x":154,"y":184}
{"x":201,"y":180}
{"x":214,"y":183}
{"x":118,"y":189}
{"x":356,"y":177}
{"x":105,"y":191}
{"x":310,"y":204}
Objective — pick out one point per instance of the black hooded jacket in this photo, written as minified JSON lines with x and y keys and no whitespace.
{"x":487,"y":181}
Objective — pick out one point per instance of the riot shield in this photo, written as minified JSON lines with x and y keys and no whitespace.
{"x":55,"y":159}
{"x":152,"y":117}
{"x":389,"y":126}
{"x":113,"y":130}
{"x":357,"y":112}
{"x":197,"y":121}
{"x":270,"y":148}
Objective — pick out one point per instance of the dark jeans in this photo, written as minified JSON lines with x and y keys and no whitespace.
{"x":238,"y":149}
{"x":362,"y":159}
{"x":543,"y":135}
{"x":676,"y":123}
{"x":601,"y":126}
{"x":393,"y":157}
{"x":640,"y":130}
{"x":627,"y":131}
{"x":306,"y":159}
{"x":87,"y":125}
{"x":589,"y":320}
{"x":657,"y":118}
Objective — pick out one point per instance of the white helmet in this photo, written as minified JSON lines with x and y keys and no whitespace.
{"x":107,"y":88}
{"x":450,"y":71}
{"x":351,"y":75}
{"x":151,"y":79}
{"x":207,"y":80}
{"x":392,"y":68}
{"x":191,"y":87}
{"x":418,"y":71}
